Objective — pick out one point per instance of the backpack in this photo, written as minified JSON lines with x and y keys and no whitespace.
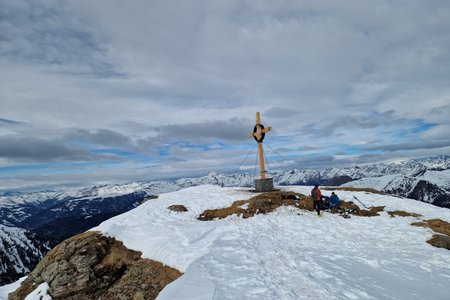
{"x":314,"y":194}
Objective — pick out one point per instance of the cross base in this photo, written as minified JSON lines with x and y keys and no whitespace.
{"x":264,"y":185}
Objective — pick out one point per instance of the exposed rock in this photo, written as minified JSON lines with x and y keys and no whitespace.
{"x":354,"y":209}
{"x":260,"y":204}
{"x":436,"y":225}
{"x":372,"y":212}
{"x":92,"y":266}
{"x":268,"y":202}
{"x":439,"y":226}
{"x":440,"y":241}
{"x":177,"y":208}
{"x":401,"y":213}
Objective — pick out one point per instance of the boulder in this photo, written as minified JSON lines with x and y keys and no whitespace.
{"x":93,"y":266}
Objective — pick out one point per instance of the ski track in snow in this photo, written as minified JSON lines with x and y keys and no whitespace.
{"x":290,"y":253}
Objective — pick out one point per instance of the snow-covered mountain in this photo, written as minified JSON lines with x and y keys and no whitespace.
{"x":430,"y":186}
{"x":67,"y":212}
{"x":411,"y":168}
{"x":287,"y":254}
{"x":61,"y":214}
{"x":55,"y":216}
{"x":426,"y":179}
{"x":20,"y":251}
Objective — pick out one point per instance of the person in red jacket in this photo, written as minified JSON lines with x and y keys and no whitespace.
{"x":316,"y":195}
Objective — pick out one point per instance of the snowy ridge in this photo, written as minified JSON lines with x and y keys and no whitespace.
{"x":288,"y":254}
{"x":404,"y":183}
{"x":85,"y":193}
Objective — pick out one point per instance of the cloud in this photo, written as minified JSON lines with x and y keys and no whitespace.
{"x":33,"y":149}
{"x":437,"y":132}
{"x":8,"y":123}
{"x":209,"y":131}
{"x":165,"y":81}
{"x":281,"y":113}
{"x":309,"y":148}
{"x":103,"y":137}
{"x":48,"y":33}
{"x":410,"y":146}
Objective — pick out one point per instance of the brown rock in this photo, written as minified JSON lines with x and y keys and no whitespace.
{"x":436,"y":225}
{"x":402,"y":213}
{"x":260,"y":204}
{"x":92,"y":266}
{"x":440,"y":241}
{"x":177,"y":208}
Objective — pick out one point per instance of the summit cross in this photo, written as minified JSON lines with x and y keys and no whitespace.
{"x":259,"y":132}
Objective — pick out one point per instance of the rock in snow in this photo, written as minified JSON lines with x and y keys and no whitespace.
{"x":286,"y":254}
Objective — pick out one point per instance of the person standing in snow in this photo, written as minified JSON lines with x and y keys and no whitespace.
{"x":316,"y":195}
{"x":334,"y":201}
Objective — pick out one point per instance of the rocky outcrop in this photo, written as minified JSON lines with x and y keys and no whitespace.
{"x":92,"y":266}
{"x":268,"y":202}
{"x":441,"y":240}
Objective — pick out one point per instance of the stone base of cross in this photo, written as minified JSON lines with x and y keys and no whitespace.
{"x":264,"y":185}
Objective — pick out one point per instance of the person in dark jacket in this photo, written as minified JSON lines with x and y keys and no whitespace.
{"x":334,"y":201}
{"x":316,"y":195}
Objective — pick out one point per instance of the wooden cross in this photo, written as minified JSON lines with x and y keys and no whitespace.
{"x":258,"y":134}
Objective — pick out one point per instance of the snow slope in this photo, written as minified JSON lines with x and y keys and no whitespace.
{"x":288,"y":254}
{"x":20,"y":251}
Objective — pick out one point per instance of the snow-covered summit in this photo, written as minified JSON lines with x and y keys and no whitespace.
{"x":288,"y":254}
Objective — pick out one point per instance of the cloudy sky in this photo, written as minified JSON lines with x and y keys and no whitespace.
{"x":113,"y":91}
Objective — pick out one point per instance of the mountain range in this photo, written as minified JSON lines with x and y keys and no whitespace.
{"x":53,"y":216}
{"x":233,"y":243}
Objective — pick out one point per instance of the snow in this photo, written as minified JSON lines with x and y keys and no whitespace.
{"x":9,"y":288}
{"x":290,"y":253}
{"x":377,"y":183}
{"x":40,"y":293}
{"x":14,"y":241}
{"x":439,"y":178}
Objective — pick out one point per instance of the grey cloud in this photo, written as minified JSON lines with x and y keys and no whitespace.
{"x":410,"y":146}
{"x":281,"y":113}
{"x":7,"y":122}
{"x":440,"y":110}
{"x":367,"y":65}
{"x":328,"y":127}
{"x":340,"y":153}
{"x":34,"y":149}
{"x":232,"y":130}
{"x":309,"y":148}
{"x":313,"y":161}
{"x":39,"y":32}
{"x":104,"y":137}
